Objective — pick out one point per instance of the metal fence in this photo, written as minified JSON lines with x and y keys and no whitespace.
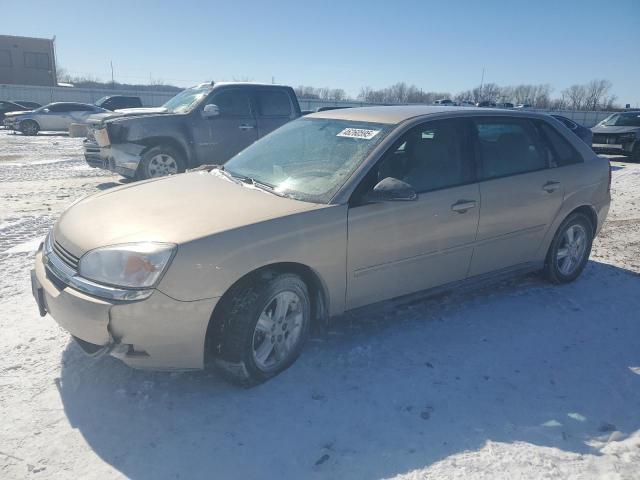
{"x":45,"y":95}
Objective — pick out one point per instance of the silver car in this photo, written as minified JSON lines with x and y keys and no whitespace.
{"x":235,"y":265}
{"x":54,"y":117}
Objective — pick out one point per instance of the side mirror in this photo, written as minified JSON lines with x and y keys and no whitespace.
{"x":391,"y":190}
{"x":210,"y":110}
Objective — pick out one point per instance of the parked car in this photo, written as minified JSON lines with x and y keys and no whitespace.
{"x":445,"y":102}
{"x":115,"y":102}
{"x":619,"y":134}
{"x":505,"y":105}
{"x":28,"y":105}
{"x":6,"y":107}
{"x":582,"y":132}
{"x":205,"y":124}
{"x":55,"y":117}
{"x":235,"y":264}
{"x":486,"y":104}
{"x":523,"y":106}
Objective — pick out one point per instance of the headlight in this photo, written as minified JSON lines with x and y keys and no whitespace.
{"x":627,"y":137}
{"x":133,"y":265}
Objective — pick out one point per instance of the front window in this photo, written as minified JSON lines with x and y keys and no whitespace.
{"x":308,"y":159}
{"x":622,"y":120}
{"x":186,"y":100}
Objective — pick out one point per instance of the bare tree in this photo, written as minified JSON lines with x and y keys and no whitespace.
{"x":596,"y":92}
{"x":576,"y":96}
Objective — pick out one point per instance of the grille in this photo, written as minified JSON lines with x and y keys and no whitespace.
{"x":64,"y":255}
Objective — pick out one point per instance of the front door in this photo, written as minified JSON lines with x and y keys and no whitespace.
{"x":396,"y":248}
{"x":219,"y":138}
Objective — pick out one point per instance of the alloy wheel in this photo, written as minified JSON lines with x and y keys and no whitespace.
{"x":278,"y":331}
{"x":571,"y":249}
{"x":162,"y":165}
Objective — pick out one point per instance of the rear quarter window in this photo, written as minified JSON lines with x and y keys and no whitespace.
{"x":562,"y":152}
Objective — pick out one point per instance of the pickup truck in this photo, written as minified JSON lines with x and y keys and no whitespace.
{"x":205,"y":124}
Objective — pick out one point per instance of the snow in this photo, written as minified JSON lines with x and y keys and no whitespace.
{"x":517,"y":380}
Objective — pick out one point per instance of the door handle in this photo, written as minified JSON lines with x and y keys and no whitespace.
{"x":244,"y":126}
{"x":551,"y":186}
{"x":461,"y":206}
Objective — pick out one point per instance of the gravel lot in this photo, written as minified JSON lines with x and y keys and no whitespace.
{"x":516,"y":380}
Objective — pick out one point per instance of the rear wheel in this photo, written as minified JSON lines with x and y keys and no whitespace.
{"x":635,"y":155}
{"x":570,"y":249}
{"x":29,"y":127}
{"x":265,"y":325}
{"x":159,"y":162}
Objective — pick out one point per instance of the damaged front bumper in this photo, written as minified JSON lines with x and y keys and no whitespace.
{"x":120,"y":158}
{"x":157,"y":332}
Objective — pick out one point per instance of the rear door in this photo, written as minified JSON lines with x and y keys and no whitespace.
{"x":273,"y":109}
{"x":520,"y":193}
{"x":396,"y":248}
{"x":219,"y":138}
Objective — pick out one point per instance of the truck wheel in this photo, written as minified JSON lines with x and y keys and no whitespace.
{"x":29,"y":127}
{"x":160,"y":161}
{"x":570,"y":249}
{"x":635,"y":154}
{"x":265,"y":325}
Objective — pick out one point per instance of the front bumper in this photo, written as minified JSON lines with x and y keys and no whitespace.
{"x":10,"y":124}
{"x":158,"y":332}
{"x":121,"y":158}
{"x":614,"y":148}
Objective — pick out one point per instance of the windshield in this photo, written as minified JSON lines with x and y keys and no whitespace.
{"x":623,"y":120}
{"x":186,"y":100}
{"x":101,"y":101}
{"x":310,"y":158}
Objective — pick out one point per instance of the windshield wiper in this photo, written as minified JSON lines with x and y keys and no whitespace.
{"x":267,"y":187}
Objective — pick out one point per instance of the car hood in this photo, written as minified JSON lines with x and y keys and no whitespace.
{"x":125,"y":112}
{"x":603,"y":129}
{"x":19,"y":112}
{"x":174,"y":209}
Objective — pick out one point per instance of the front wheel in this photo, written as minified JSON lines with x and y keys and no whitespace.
{"x":570,"y":249}
{"x":265,"y":325}
{"x":29,"y":127}
{"x":160,"y":161}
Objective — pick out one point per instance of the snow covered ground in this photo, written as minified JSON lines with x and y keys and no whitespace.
{"x":516,"y":380}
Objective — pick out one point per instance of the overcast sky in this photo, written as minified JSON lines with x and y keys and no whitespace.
{"x":436,"y":45}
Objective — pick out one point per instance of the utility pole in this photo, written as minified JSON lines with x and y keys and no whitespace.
{"x":481,"y":84}
{"x":113,"y":82}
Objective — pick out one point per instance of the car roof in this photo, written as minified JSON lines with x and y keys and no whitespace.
{"x":397,"y":114}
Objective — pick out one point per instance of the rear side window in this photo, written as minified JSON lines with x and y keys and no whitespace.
{"x":562,"y":152}
{"x":273,"y":103}
{"x":508,"y":146}
{"x":59,"y":108}
{"x":232,"y":103}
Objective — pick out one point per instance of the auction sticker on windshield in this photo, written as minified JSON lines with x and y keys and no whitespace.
{"x":363,"y":133}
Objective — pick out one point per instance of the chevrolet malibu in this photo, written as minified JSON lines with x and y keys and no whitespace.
{"x":234,"y":265}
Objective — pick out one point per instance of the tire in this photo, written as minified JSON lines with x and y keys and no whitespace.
{"x":566,"y":259}
{"x":258,"y":341}
{"x":160,"y":161}
{"x":29,"y":127}
{"x":635,"y":154}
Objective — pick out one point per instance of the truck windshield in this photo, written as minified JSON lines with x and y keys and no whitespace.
{"x":310,"y":158}
{"x":623,"y":120}
{"x":186,"y":100}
